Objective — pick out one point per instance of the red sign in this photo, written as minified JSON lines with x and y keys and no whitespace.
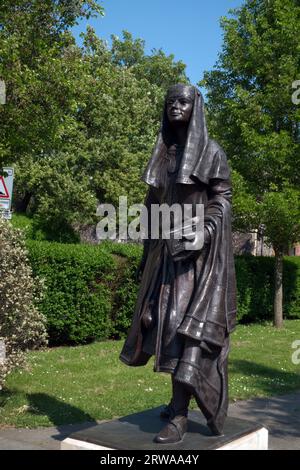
{"x":3,"y":189}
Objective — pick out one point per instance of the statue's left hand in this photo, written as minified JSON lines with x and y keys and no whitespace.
{"x":198,"y":242}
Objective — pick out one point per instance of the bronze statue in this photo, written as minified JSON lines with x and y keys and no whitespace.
{"x":186,"y":307}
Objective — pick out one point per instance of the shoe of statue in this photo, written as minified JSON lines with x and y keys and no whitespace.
{"x":173,"y":432}
{"x":167,"y":413}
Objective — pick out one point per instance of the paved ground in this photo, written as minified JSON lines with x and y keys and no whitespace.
{"x":281,"y":415}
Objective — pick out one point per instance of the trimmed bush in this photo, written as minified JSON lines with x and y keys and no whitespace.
{"x":91,"y":290}
{"x":79,"y":282}
{"x":128,"y":257}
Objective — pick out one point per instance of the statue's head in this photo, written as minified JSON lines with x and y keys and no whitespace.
{"x":184,"y":108}
{"x":179,"y":104}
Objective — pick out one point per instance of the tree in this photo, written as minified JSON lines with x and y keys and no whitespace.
{"x":79,"y":122}
{"x":37,"y":55}
{"x":120,"y":116}
{"x":43,"y":71}
{"x":158,"y":68}
{"x":252,"y":114}
{"x":280,"y":213}
{"x":124,"y":92}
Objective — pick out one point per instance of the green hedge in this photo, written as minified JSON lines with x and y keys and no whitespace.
{"x":78,"y":296}
{"x":90,"y":290}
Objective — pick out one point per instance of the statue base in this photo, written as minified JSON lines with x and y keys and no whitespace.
{"x":137,"y":431}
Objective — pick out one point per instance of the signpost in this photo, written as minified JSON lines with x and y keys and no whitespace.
{"x":6,"y":189}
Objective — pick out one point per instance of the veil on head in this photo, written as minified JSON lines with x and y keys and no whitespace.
{"x":197,"y":160}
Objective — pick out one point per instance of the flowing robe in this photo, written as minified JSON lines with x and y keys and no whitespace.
{"x":191,"y":296}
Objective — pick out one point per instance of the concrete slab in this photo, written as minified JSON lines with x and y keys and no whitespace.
{"x":137,"y":432}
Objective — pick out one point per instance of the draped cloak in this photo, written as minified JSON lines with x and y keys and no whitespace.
{"x":191,"y":296}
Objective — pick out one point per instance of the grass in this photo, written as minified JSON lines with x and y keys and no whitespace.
{"x":89,"y":383}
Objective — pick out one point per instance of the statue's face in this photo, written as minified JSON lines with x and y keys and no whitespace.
{"x":179,"y":106}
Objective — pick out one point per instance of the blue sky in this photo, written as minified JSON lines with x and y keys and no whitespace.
{"x":189,"y":29}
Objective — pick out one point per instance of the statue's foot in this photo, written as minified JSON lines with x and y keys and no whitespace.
{"x":173,"y":432}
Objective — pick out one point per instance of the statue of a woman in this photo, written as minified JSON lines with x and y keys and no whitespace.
{"x":186,"y":307}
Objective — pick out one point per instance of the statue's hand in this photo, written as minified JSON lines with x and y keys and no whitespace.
{"x":198,"y":241}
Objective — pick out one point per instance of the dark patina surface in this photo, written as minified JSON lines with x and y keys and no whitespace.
{"x":186,"y":307}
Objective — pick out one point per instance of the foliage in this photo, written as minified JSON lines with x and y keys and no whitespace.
{"x":90,"y":290}
{"x":157,"y":68}
{"x":245,"y":216}
{"x":77,"y":304}
{"x":252,"y":113}
{"x":79,"y":123}
{"x":128,"y":259}
{"x":255,"y":288}
{"x":43,"y":71}
{"x":24,"y":223}
{"x":22,"y":327}
{"x":254,"y":117}
{"x":281,"y":213}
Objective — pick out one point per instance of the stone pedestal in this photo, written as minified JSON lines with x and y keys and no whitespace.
{"x":137,"y":431}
